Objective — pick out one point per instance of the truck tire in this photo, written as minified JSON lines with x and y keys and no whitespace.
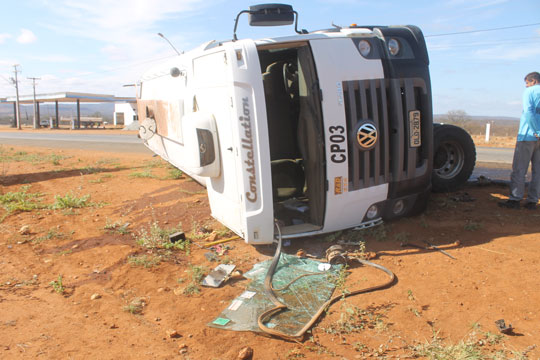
{"x":454,"y":157}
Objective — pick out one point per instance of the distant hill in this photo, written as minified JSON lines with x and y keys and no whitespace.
{"x":476,"y":125}
{"x":442,"y":117}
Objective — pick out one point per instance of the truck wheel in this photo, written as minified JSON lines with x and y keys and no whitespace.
{"x":453,"y":159}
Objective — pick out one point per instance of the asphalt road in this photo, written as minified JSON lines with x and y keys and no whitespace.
{"x":494,"y":155}
{"x":114,"y":143}
{"x":491,"y":162}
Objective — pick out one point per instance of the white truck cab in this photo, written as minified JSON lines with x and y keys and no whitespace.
{"x":319,"y":131}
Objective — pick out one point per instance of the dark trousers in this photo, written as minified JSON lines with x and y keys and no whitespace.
{"x":526,"y":152}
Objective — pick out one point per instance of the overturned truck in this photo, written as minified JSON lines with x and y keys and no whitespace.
{"x":317,"y":132}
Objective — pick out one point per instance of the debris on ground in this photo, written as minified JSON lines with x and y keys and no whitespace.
{"x":220,"y":249}
{"x":428,"y":246}
{"x":218,"y":275}
{"x":221,"y":241}
{"x":212,"y":237}
{"x":245,"y":354}
{"x":431,"y":246}
{"x":303,"y":294}
{"x":301,"y":253}
{"x":183,"y":348}
{"x":177,"y":236}
{"x":502,"y":327}
{"x":485,"y":181}
{"x":172,"y":334}
{"x":237,"y":274}
{"x":24,"y":230}
{"x":211,"y":256}
{"x":462,"y":197}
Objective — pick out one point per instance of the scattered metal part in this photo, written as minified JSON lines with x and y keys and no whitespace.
{"x":335,"y":254}
{"x":196,"y":243}
{"x":204,"y":230}
{"x":218,"y":275}
{"x":177,"y":236}
{"x":211,"y":256}
{"x":501,"y":325}
{"x":463,"y":197}
{"x":236,"y":274}
{"x":429,"y":247}
{"x":483,"y":181}
{"x":221,"y":241}
{"x":439,"y":249}
{"x":486,"y":181}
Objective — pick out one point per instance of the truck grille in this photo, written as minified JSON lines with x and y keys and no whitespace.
{"x":386,"y":103}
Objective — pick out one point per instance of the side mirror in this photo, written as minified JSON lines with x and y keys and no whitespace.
{"x":270,"y":15}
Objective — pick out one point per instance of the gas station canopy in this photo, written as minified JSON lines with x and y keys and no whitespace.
{"x":68,"y":97}
{"x":64,"y":97}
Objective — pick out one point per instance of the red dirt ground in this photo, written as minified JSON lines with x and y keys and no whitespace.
{"x":437,"y":303}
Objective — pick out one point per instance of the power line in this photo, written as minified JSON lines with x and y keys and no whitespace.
{"x":132,"y":65}
{"x":483,"y":30}
{"x":476,"y":44}
{"x":9,"y":82}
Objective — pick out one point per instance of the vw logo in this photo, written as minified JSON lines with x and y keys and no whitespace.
{"x":366,"y":135}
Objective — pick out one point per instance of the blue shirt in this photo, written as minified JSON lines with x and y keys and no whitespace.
{"x":529,"y":123}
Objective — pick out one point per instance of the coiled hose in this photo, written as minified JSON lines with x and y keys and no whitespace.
{"x":278,"y":306}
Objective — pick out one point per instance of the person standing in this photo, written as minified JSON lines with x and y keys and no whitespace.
{"x":527,"y":148}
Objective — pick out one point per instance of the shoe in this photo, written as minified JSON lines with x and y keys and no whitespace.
{"x":530,"y":206}
{"x":509,"y":204}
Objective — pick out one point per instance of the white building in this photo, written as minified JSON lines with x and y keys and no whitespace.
{"x":125,"y":113}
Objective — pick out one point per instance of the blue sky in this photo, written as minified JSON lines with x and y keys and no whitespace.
{"x":99,"y":45}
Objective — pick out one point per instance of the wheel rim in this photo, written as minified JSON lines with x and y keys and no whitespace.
{"x":448,"y":160}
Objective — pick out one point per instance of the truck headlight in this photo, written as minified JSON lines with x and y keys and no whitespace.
{"x":365,"y":48}
{"x":398,"y":207}
{"x":393,"y":46}
{"x":372,"y":212}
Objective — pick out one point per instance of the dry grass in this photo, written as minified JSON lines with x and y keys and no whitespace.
{"x":495,"y":141}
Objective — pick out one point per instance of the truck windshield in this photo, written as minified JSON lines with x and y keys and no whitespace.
{"x":293,"y":110}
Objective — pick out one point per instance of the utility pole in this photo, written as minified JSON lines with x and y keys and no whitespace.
{"x":36,"y":120}
{"x":18,"y":110}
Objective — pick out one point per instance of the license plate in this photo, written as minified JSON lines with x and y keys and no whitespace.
{"x":414,"y":129}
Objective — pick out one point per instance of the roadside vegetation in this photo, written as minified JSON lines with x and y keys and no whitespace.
{"x":20,"y":201}
{"x":157,"y":238}
{"x":71,"y":201}
{"x":476,"y":125}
